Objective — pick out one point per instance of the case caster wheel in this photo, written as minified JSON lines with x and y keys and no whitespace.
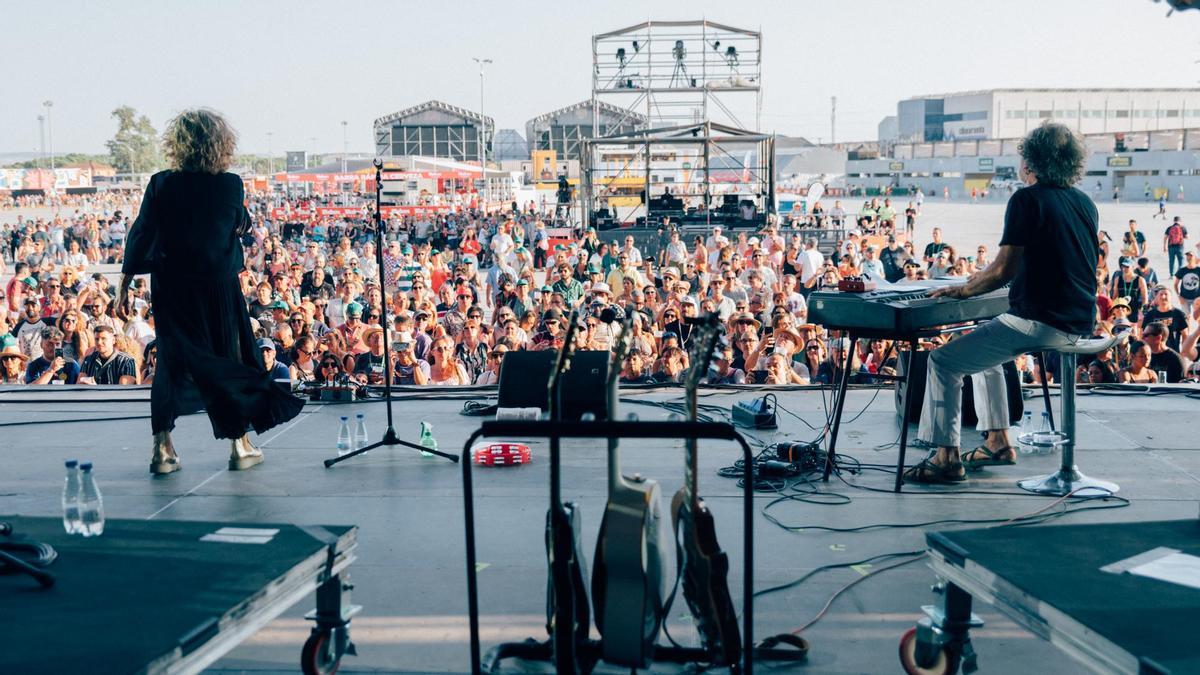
{"x":925,"y":658}
{"x":319,"y":656}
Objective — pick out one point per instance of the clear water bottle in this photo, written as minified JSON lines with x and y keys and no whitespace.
{"x":1025,"y":431}
{"x":427,"y":439}
{"x":360,"y":431}
{"x":91,"y":504}
{"x":1045,"y":434}
{"x":343,"y":439}
{"x":70,"y":498}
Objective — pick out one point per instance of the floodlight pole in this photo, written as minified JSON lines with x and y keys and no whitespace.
{"x":50,"y":130}
{"x":482,"y":141}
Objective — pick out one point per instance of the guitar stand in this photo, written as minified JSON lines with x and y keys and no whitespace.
{"x":541,"y":651}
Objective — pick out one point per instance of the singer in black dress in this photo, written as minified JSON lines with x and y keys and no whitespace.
{"x":187,"y":237}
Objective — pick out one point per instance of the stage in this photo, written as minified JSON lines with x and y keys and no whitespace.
{"x":410,"y":576}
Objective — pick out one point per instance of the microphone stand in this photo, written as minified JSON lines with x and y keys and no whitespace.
{"x":389,"y":436}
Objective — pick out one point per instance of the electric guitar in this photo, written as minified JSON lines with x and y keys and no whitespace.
{"x":703,"y":566}
{"x":567,"y":610}
{"x":627,"y":585}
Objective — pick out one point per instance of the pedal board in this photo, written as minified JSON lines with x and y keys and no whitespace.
{"x":756,"y":414}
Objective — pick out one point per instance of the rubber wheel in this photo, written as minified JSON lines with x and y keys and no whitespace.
{"x":908,"y":658}
{"x":315,"y":655}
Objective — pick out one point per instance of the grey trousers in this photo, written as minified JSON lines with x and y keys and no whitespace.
{"x":979,"y":354}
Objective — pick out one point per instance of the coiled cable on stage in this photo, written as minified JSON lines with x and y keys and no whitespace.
{"x":19,"y":556}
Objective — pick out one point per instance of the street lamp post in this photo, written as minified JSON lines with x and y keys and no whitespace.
{"x":50,"y":130}
{"x":270,"y":155}
{"x":345,"y":145}
{"x":41,"y":141}
{"x":482,"y":141}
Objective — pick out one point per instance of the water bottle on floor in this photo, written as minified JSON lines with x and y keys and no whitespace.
{"x":1045,"y":435}
{"x":1026,"y":428}
{"x":427,"y":439}
{"x":70,"y":498}
{"x":91,"y":504}
{"x":343,"y":439}
{"x":360,"y":432}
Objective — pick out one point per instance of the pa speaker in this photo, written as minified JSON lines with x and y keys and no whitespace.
{"x":916,"y":383}
{"x":523,"y":379}
{"x":583,"y":386}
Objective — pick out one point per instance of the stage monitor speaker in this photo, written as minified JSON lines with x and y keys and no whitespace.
{"x":1012,"y":381}
{"x":523,"y":379}
{"x":583,"y":387}
{"x":524,"y":376}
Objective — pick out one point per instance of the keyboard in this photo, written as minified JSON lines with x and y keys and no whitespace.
{"x":901,"y":311}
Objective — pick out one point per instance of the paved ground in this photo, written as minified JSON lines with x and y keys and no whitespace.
{"x":410,"y":575}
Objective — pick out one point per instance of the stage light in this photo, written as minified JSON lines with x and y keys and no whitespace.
{"x":717,"y":46}
{"x":621,"y":55}
{"x":731,"y":53}
{"x":635,"y":46}
{"x":679,"y":51}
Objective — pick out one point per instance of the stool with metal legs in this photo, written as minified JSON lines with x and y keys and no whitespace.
{"x":1068,"y":477}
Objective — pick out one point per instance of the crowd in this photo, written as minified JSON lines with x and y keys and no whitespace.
{"x":464,"y":289}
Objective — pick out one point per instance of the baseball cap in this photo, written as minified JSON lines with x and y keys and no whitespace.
{"x":522,"y":282}
{"x":266,"y":343}
{"x":601,"y":287}
{"x":278,"y":304}
{"x":354,"y":309}
{"x":1126,"y":262}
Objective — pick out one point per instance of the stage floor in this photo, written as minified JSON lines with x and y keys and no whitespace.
{"x":410,"y":575}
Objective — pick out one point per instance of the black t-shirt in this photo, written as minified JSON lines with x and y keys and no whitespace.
{"x":1173,"y":319}
{"x":1056,"y":276}
{"x":1170,"y":361}
{"x":910,"y":215}
{"x":1189,"y":282}
{"x":934,"y":248}
{"x":111,"y":371}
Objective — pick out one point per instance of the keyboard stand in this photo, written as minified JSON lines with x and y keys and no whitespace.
{"x":913,"y":340}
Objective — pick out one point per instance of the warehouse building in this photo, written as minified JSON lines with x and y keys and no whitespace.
{"x":564,"y":130}
{"x":433,"y":129}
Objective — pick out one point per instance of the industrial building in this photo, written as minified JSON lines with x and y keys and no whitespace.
{"x":1011,"y":113}
{"x":564,"y":129}
{"x":433,"y":129}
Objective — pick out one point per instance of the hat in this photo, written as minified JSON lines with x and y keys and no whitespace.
{"x":13,"y":350}
{"x":689,"y":300}
{"x":522,"y":282}
{"x":1120,"y":302}
{"x":546,"y":288}
{"x":746,"y":317}
{"x":1189,"y":254}
{"x":753,"y":241}
{"x":1126,"y":262}
{"x":266,"y":343}
{"x":468,"y":260}
{"x":669,"y":269}
{"x":601,"y":287}
{"x":354,"y":309}
{"x":854,"y":233}
{"x":790,"y":334}
{"x":30,"y":282}
{"x":371,"y":331}
{"x":911,"y":263}
{"x":278,"y":304}
{"x":808,"y":326}
{"x":552,"y":313}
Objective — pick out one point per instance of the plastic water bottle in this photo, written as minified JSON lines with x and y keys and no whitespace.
{"x":1024,"y":431}
{"x":360,"y":432}
{"x":427,"y":439}
{"x":70,"y":498}
{"x":1045,"y":434}
{"x":91,"y":504}
{"x":343,"y":439}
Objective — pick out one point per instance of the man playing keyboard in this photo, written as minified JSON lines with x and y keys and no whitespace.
{"x":1048,"y":252}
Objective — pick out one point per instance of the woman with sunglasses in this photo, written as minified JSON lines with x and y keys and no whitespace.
{"x":149,"y":363}
{"x":444,"y":368}
{"x":188,"y":238}
{"x":77,"y":340}
{"x":471,"y":349}
{"x":304,"y":366}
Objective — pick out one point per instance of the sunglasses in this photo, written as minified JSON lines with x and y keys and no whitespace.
{"x":329,"y":364}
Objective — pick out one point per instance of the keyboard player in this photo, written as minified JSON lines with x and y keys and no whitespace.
{"x":1049,"y":254}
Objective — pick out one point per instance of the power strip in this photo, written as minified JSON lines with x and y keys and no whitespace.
{"x":756,"y":414}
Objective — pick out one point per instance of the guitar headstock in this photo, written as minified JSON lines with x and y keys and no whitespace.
{"x":706,"y":332}
{"x":563,"y":363}
{"x":621,"y":348}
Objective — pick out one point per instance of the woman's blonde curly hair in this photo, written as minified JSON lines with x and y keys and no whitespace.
{"x":199,"y":140}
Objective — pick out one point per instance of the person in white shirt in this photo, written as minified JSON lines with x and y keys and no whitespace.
{"x":631,"y":250}
{"x":76,"y":258}
{"x":811,"y":262}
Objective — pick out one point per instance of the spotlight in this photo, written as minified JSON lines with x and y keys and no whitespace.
{"x":679,"y":51}
{"x":636,"y":48}
{"x":717,"y":46}
{"x":731,"y":53}
{"x":621,"y":55}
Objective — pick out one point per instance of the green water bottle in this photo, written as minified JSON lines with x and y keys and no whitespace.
{"x":427,"y":439}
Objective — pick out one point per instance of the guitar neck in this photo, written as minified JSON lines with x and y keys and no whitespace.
{"x":704,"y":340}
{"x":620,"y":351}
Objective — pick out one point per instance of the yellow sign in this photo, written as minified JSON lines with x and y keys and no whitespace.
{"x":544,"y":167}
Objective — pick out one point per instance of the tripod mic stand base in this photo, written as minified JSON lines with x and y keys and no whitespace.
{"x":389,"y":439}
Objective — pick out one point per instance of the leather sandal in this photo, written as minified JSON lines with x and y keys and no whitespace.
{"x":928,"y":472}
{"x":165,"y":465}
{"x":971,"y":460}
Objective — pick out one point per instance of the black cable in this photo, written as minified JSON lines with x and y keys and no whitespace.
{"x":812,"y":573}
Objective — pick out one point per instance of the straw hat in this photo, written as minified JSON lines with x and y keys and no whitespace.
{"x":11,"y":351}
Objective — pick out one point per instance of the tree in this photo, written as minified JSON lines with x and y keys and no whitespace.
{"x":134,"y":148}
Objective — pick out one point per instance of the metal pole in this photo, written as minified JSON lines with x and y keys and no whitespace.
{"x":345,"y":146}
{"x":50,"y":131}
{"x":41,"y":141}
{"x":481,"y":142}
{"x":270,"y":158}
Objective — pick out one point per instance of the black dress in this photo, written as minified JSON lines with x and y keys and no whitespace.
{"x":187,"y":236}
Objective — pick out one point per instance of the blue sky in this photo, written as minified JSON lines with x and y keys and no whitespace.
{"x":298,"y":68}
